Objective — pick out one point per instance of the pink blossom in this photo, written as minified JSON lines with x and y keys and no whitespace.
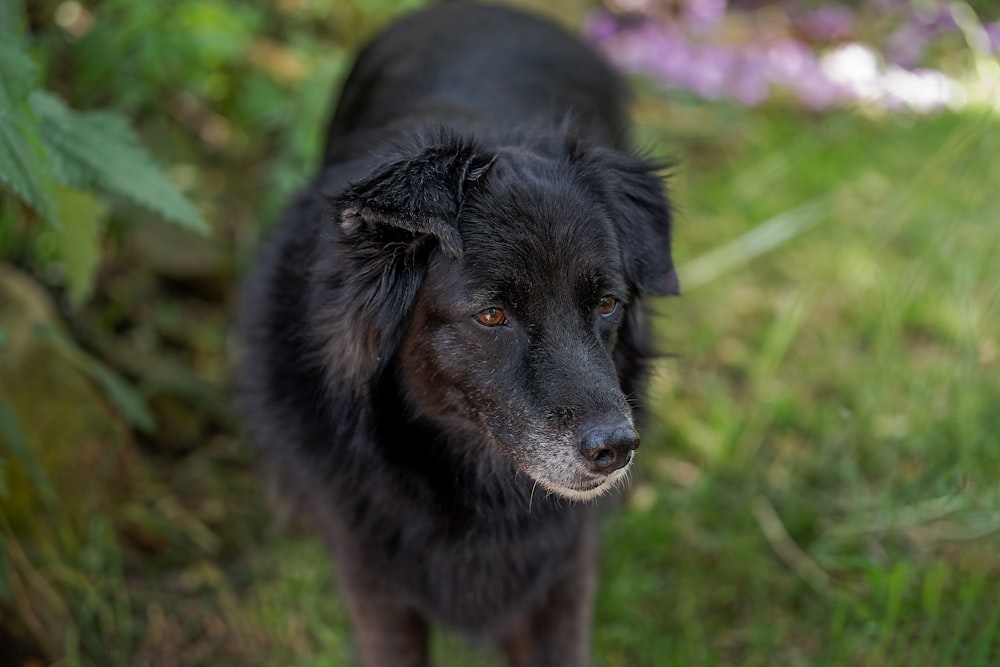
{"x":698,"y":53}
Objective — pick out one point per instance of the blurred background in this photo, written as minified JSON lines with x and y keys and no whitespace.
{"x":819,"y":483}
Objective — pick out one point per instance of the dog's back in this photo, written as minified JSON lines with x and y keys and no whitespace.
{"x":485,"y":64}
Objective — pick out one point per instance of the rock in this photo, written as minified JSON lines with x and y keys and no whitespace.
{"x":70,"y":442}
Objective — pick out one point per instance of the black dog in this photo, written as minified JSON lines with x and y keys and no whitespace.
{"x":443,"y":335}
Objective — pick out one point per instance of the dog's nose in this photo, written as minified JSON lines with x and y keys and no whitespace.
{"x":608,"y":449}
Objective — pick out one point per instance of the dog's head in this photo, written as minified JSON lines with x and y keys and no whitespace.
{"x":497,"y":285}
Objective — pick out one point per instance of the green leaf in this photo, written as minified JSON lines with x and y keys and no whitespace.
{"x":100,"y":149}
{"x":23,"y":164}
{"x":6,"y":588}
{"x":11,"y":20}
{"x":18,"y":445}
{"x":19,"y":73}
{"x":79,"y":243}
{"x":126,"y":400}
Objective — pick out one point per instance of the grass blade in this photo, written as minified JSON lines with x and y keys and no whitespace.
{"x":17,"y":443}
{"x":761,"y":239}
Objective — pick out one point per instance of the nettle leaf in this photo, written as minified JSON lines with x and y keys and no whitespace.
{"x":100,"y":149}
{"x":11,"y":21}
{"x":23,"y":164}
{"x":19,"y":73}
{"x":79,"y":243}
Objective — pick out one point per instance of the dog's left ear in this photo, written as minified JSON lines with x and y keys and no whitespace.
{"x":633,"y":194}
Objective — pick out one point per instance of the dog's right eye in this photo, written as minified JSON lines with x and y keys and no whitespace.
{"x":491,"y":317}
{"x":607,"y":306}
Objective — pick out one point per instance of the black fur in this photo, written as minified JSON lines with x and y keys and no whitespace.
{"x":476,"y":161}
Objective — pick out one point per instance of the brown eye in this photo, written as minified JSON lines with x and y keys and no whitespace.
{"x":607,"y":305}
{"x":491,"y":317}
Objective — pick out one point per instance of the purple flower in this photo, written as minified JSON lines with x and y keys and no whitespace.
{"x":993,"y":34}
{"x":749,"y":85}
{"x":907,"y":45}
{"x":704,"y":13}
{"x":600,"y":26}
{"x":828,"y":24}
{"x":936,"y":20}
{"x":787,"y":61}
{"x":672,"y":62}
{"x":887,"y":6}
{"x":697,"y":54}
{"x":710,"y":71}
{"x":819,"y":93}
{"x":642,"y":48}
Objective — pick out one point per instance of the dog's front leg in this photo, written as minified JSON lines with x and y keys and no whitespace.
{"x":388,"y":631}
{"x":557,"y":633}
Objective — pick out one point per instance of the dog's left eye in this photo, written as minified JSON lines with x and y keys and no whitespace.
{"x":607,"y":305}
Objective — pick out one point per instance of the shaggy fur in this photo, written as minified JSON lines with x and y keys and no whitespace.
{"x":443,"y":337}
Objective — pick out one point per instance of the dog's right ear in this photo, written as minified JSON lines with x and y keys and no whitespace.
{"x":420,"y":197}
{"x":364,"y":283}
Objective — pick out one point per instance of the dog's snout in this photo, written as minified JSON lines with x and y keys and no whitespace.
{"x":607,"y":449}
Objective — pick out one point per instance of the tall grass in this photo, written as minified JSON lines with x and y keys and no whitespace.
{"x":821,"y":477}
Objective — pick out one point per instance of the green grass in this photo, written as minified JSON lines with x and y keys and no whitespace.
{"x":820,"y":480}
